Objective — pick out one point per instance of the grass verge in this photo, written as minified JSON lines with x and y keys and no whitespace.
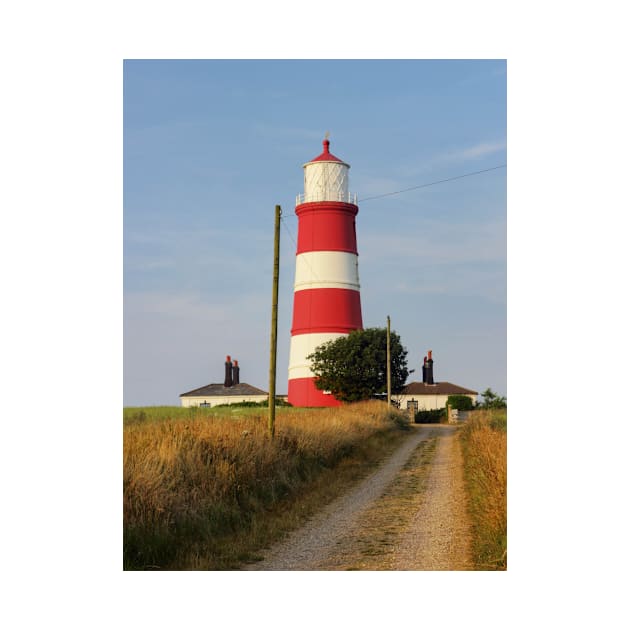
{"x":204,"y":491}
{"x":484,"y":447}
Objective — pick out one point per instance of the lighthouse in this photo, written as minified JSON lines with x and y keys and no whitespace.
{"x":326,"y":298}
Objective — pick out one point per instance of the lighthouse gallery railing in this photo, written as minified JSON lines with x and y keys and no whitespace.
{"x":330,"y":196}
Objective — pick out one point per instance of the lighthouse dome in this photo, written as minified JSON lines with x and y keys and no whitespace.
{"x":326,"y":179}
{"x":326,"y":155}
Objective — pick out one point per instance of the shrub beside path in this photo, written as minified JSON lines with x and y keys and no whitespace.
{"x":410,"y":514}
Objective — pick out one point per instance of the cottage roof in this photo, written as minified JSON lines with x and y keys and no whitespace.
{"x":218,"y":389}
{"x":443,"y":388}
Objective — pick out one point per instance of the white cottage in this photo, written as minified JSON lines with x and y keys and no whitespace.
{"x":217,"y":394}
{"x":423,"y":396}
{"x":230,"y":392}
{"x":429,"y":394}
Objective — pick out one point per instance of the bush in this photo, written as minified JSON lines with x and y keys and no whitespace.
{"x":460,"y":402}
{"x":492,"y":400}
{"x":430,"y":416}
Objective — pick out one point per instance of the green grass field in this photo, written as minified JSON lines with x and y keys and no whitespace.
{"x":139,"y":415}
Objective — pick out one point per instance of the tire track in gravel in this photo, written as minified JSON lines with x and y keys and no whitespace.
{"x":331,"y":539}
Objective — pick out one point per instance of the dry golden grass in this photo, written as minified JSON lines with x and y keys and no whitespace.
{"x":201,"y":491}
{"x":484,"y":441}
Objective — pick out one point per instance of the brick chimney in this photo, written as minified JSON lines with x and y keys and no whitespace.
{"x":429,"y":368}
{"x":228,"y":372}
{"x":235,"y":373}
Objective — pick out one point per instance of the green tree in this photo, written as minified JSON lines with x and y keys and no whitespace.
{"x":354,"y":367}
{"x":492,"y":400}
{"x":460,"y":402}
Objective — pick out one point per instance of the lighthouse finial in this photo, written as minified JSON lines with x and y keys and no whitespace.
{"x":326,"y":143}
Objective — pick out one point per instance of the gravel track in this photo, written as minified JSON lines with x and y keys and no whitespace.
{"x":438,"y":537}
{"x":316,"y":546}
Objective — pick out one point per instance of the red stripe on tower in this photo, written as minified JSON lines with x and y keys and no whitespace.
{"x":326,"y":310}
{"x":326,"y":226}
{"x":326,"y":300}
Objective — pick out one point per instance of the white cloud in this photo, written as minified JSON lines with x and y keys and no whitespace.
{"x":436,"y":242}
{"x":195,"y":255}
{"x":185,"y":306}
{"x":481,"y":149}
{"x":437,"y":258}
{"x":467,"y":281}
{"x":453,"y":156}
{"x":143,"y":264}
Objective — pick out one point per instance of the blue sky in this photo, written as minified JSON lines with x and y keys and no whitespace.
{"x":211,"y":146}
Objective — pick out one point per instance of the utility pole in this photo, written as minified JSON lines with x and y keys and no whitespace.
{"x":389,"y":368}
{"x":274,"y":325}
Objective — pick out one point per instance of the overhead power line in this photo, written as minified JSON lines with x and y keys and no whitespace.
{"x":441,"y":181}
{"x":313,"y":272}
{"x":286,"y":227}
{"x":397,"y":192}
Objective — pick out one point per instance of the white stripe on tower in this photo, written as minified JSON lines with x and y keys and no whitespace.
{"x":326,"y":270}
{"x":301,"y":347}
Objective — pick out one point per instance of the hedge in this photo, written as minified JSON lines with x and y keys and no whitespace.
{"x":430,"y":416}
{"x":458,"y":401}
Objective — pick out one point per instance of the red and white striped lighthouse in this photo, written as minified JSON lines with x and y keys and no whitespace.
{"x":326,"y":299}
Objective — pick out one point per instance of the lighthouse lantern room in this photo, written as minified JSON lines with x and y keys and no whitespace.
{"x":326,"y":298}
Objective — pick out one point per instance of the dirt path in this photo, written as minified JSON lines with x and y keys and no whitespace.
{"x":409,"y":514}
{"x":438,"y":536}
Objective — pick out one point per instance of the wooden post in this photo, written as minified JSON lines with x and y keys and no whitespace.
{"x":389,"y":368}
{"x":274,"y":325}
